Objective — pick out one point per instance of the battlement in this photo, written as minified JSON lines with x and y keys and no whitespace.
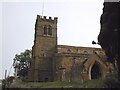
{"x":44,"y":18}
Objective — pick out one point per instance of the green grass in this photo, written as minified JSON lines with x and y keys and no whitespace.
{"x":107,"y":82}
{"x":94,"y":84}
{"x":85,"y":84}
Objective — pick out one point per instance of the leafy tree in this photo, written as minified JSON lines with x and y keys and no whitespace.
{"x":22,"y":62}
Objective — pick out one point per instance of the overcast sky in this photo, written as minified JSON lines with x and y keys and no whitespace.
{"x":78,"y":25}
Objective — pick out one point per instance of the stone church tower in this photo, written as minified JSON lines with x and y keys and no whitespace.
{"x":43,"y":50}
{"x":53,"y":62}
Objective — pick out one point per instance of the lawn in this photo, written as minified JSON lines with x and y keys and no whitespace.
{"x":85,"y":84}
{"x":109,"y":81}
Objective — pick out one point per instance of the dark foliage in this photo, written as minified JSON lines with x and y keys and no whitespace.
{"x":108,"y":37}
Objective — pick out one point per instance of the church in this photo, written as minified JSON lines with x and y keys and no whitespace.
{"x":53,"y":62}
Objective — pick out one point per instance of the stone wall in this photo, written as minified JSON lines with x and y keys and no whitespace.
{"x":71,"y":65}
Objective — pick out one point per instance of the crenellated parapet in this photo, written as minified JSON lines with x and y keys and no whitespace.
{"x":49,"y":19}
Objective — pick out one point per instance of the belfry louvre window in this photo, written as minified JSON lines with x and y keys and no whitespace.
{"x":47,"y":30}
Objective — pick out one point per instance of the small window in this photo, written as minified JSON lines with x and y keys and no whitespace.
{"x":45,"y":30}
{"x":49,"y":30}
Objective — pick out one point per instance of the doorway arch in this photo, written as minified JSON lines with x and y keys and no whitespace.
{"x":96,"y":71}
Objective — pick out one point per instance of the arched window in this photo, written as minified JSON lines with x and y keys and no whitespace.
{"x":49,"y":30}
{"x":45,"y":30}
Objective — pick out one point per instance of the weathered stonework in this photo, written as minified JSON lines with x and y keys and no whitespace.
{"x":52,"y":62}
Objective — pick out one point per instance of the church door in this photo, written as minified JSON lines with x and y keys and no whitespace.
{"x":96,"y":71}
